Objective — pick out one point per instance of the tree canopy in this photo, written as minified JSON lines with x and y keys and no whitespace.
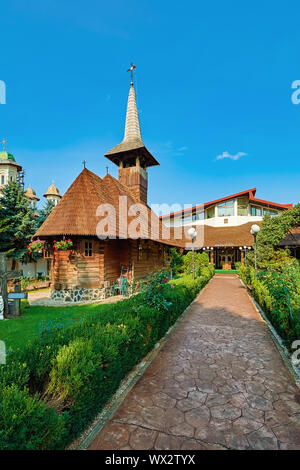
{"x":44,"y":212}
{"x":274,"y":229}
{"x":18,"y":223}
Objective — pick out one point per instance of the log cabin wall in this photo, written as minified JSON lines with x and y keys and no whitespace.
{"x":88,"y":262}
{"x":112,"y":259}
{"x":92,"y":261}
{"x":83,"y":266}
{"x":146,"y":257}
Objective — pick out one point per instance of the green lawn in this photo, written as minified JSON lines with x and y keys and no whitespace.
{"x":16,"y":332}
{"x":226,"y":271}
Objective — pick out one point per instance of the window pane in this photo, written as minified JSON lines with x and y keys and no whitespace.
{"x":88,"y":248}
{"x":243,"y":206}
{"x":226,"y":208}
{"x":221,"y":210}
{"x":210,"y":213}
{"x":229,"y":210}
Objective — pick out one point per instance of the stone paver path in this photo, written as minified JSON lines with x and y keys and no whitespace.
{"x":218,"y":383}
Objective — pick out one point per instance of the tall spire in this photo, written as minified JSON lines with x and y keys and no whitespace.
{"x":132,"y":147}
{"x":132,"y":124}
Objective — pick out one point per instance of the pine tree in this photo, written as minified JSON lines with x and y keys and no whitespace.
{"x":4,"y":234}
{"x":17,"y":218}
{"x":44,"y":212}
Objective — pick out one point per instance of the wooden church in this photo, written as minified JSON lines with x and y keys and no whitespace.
{"x":98,"y":215}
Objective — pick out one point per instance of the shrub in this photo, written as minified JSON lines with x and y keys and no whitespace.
{"x":28,"y":424}
{"x":201,"y":261}
{"x":176,"y":260}
{"x":60,"y":381}
{"x":278,"y":294}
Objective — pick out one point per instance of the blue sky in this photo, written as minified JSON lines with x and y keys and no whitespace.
{"x":213,"y":79}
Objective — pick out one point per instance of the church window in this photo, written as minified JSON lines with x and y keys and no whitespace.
{"x":88,"y":248}
{"x":2,"y":179}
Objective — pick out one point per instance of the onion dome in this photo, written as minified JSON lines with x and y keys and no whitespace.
{"x":53,"y":191}
{"x":31,"y":194}
{"x":6,"y":156}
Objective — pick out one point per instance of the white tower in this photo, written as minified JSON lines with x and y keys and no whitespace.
{"x":31,"y":195}
{"x":53,"y":194}
{"x":10,"y":170}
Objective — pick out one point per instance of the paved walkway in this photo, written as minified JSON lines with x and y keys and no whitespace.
{"x":218,"y":383}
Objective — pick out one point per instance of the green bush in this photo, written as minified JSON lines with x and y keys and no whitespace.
{"x":27,"y":423}
{"x":278,"y":294}
{"x":201,"y":261}
{"x":61,"y":380}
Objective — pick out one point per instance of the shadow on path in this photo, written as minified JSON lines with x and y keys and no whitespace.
{"x":218,"y":383}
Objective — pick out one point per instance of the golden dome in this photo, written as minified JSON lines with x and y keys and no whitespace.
{"x":52,"y":191}
{"x":31,"y":194}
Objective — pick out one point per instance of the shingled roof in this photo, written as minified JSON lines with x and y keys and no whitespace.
{"x":76,"y":213}
{"x":216,"y":237}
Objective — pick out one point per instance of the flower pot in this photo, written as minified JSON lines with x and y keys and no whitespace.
{"x":62,"y":255}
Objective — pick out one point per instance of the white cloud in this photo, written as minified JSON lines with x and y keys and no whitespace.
{"x":232,"y":157}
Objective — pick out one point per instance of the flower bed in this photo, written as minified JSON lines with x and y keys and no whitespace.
{"x":51,"y":390}
{"x":29,"y":283}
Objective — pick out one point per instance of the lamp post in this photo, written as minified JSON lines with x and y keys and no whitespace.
{"x":192,"y":233}
{"x":254,"y":231}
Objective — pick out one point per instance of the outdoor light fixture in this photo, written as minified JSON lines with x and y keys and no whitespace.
{"x":254,"y":231}
{"x":192,"y":233}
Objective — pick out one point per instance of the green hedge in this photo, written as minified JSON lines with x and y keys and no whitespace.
{"x":278,"y":294}
{"x":52,"y":389}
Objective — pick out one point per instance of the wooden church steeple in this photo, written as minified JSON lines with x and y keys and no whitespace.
{"x":131,"y":155}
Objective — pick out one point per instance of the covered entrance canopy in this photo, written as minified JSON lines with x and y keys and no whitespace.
{"x":225,"y":245}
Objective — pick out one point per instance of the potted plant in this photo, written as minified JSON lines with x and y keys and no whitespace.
{"x":62,"y":245}
{"x":36,"y":246}
{"x":61,"y":249}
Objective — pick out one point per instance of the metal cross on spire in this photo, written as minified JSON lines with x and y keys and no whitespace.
{"x":3,"y":143}
{"x":84,"y":163}
{"x":131,"y":69}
